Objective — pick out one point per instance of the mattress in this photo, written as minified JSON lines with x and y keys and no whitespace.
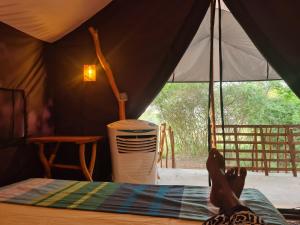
{"x":51,"y":200}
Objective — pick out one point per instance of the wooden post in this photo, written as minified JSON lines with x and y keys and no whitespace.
{"x":264,"y":155}
{"x":162,"y":142}
{"x":278,"y":149}
{"x":285,"y":149}
{"x":292,"y":151}
{"x":121,"y":97}
{"x":255,"y":149}
{"x":167,"y":149}
{"x":237,"y":155}
{"x":269,"y":145}
{"x":252,"y":153}
{"x":171,"y":133}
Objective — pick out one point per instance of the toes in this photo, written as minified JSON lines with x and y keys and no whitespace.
{"x":212,"y":160}
{"x":213,"y":154}
{"x":230,"y":172}
{"x":215,"y":159}
{"x":243,"y":172}
{"x":235,"y":171}
{"x":227,"y":174}
{"x":220,"y":158}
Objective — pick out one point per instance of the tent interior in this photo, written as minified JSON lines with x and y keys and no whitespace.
{"x":43,"y":47}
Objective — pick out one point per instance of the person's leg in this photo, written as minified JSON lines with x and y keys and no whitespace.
{"x":221,"y":193}
{"x":236,"y":178}
{"x":233,"y":211}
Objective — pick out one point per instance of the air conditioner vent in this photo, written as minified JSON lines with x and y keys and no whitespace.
{"x":136,"y":143}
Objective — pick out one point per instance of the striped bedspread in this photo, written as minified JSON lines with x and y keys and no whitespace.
{"x":188,"y":202}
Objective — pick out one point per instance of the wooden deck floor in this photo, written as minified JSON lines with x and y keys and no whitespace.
{"x":283,"y":190}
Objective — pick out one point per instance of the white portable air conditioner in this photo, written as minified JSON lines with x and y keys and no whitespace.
{"x":133,"y":147}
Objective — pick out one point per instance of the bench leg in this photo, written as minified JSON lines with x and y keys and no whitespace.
{"x":83,"y":163}
{"x":44,"y":160}
{"x":93,"y":158}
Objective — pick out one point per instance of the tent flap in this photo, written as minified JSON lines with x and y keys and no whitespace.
{"x":241,"y":59}
{"x":273,"y":26}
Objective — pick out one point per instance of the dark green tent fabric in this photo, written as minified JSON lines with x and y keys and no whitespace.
{"x":273,"y":26}
{"x":22,"y":76}
{"x":142,"y":41}
{"x":22,"y":68}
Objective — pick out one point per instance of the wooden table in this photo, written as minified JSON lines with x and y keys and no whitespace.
{"x":79,"y":140}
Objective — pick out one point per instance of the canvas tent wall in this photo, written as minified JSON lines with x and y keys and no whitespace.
{"x":242,"y":61}
{"x":143,"y":42}
{"x":273,"y":28}
{"x":141,"y":53}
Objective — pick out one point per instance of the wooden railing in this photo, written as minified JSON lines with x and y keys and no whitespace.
{"x":166,"y":143}
{"x":268,"y":148}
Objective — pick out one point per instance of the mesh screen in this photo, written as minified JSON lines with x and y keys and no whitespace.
{"x":12,"y":114}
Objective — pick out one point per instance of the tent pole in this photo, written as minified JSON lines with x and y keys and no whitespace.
{"x":121,"y":97}
{"x":211,"y":102}
{"x":211,"y":80}
{"x":221,"y":82}
{"x":213,"y":121}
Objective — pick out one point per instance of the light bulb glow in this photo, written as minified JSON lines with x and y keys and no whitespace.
{"x":89,"y":73}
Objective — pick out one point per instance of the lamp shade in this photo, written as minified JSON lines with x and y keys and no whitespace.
{"x":89,"y":72}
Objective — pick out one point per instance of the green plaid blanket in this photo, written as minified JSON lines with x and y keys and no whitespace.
{"x":187,"y":202}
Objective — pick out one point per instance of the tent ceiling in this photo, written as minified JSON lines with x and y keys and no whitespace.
{"x":241,"y":59}
{"x":48,"y":20}
{"x":53,"y":19}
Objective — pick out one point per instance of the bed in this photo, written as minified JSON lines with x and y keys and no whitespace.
{"x":50,"y":201}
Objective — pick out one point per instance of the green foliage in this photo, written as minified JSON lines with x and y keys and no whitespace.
{"x":184,"y":107}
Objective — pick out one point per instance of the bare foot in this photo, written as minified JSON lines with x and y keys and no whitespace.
{"x":214,"y":166}
{"x":236,"y":179}
{"x":221,"y":193}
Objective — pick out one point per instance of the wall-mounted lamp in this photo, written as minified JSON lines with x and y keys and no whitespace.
{"x":89,"y":72}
